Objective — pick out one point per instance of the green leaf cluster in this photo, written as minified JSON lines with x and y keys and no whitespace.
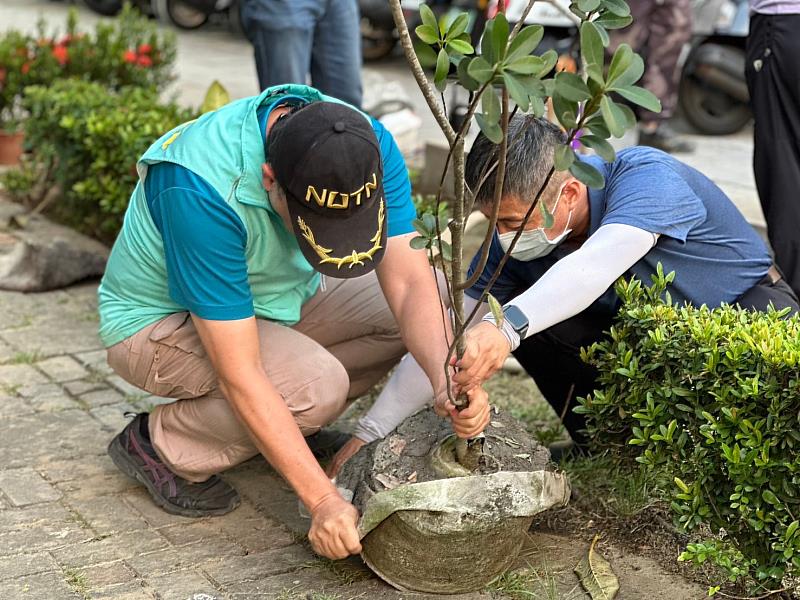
{"x":429,"y":227}
{"x":87,"y":139}
{"x":712,"y":397}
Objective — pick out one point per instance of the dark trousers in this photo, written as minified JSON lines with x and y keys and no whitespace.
{"x":773,"y":78}
{"x":553,"y":359}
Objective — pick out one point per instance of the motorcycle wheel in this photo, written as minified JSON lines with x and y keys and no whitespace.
{"x":107,"y":8}
{"x":180,"y":14}
{"x":375,"y":43}
{"x":710,"y":110}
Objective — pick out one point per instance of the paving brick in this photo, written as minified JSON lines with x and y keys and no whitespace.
{"x":133,"y":590}
{"x":6,"y":351}
{"x":14,"y":406}
{"x":57,"y":470}
{"x":62,"y":368}
{"x":103,"y":576}
{"x":292,"y":586}
{"x":29,"y":439}
{"x":96,"y":361}
{"x":182,"y":585}
{"x":26,"y":486}
{"x":252,"y":567}
{"x":20,"y":379}
{"x":20,"y":565}
{"x":126,"y":389}
{"x":50,"y":397}
{"x":113,"y":416}
{"x":169,"y":560}
{"x":116,"y":547}
{"x":101,"y":397}
{"x":140,"y":500}
{"x":84,"y":386}
{"x":45,"y":586}
{"x":107,"y":514}
{"x":55,"y":338}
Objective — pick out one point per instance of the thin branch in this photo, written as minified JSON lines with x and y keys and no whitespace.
{"x":419,"y":74}
{"x":518,"y":25}
{"x":498,"y":197}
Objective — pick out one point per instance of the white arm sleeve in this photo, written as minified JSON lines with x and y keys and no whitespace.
{"x":407,"y":391}
{"x":600,"y":261}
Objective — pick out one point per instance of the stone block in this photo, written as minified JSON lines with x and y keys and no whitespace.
{"x":64,"y":337}
{"x":107,"y":515}
{"x":62,"y":368}
{"x":14,"y":406}
{"x":112,"y":416}
{"x":182,"y":585}
{"x":109,"y":549}
{"x":130,"y":391}
{"x":132,"y":590}
{"x":258,"y":566}
{"x":103,"y":576}
{"x":25,"y":486}
{"x":21,"y":565}
{"x":19,"y":377}
{"x":84,"y":386}
{"x":44,"y":586}
{"x":101,"y":397}
{"x":141,"y":501}
{"x":270,"y":494}
{"x":96,"y":361}
{"x":50,"y":398}
{"x":170,"y":560}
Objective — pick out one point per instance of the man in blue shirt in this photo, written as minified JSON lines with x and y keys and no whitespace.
{"x":212,"y":296}
{"x":557,"y":286}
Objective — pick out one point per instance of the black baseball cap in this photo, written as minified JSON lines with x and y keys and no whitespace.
{"x":327,"y":159}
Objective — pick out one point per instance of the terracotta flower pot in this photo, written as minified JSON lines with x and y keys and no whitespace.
{"x":10,"y":147}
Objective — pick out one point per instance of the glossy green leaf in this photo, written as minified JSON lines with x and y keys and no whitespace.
{"x":588,"y":6}
{"x":564,"y":157}
{"x":464,"y":78}
{"x":632,"y":74}
{"x":517,"y":90}
{"x":586,"y":173}
{"x":490,"y":104}
{"x":457,"y":26}
{"x":642,"y":97}
{"x":500,"y":36}
{"x":427,"y":34}
{"x":549,"y":60}
{"x":419,"y":243}
{"x":769,"y":497}
{"x":525,"y":42}
{"x":613,"y":116}
{"x":460,"y":46}
{"x":592,"y":51}
{"x":480,"y":70}
{"x":619,"y":8}
{"x":497,"y":310}
{"x":537,"y":106}
{"x":491,"y":130}
{"x":425,"y":54}
{"x":427,"y":16}
{"x":446,"y":250}
{"x":526,"y":65}
{"x":566,"y":111}
{"x":572,"y":87}
{"x":442,"y":67}
{"x":622,"y":59}
{"x":603,"y":149}
{"x":603,"y":35}
{"x":611,"y":21}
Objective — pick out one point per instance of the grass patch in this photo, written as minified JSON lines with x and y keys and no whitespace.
{"x":344,"y":572}
{"x":10,"y":389}
{"x":77,"y":581}
{"x":530,"y":583}
{"x":25,"y":358}
{"x":623,"y":492}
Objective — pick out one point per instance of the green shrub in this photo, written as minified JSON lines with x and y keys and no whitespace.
{"x":712,"y":397}
{"x":126,"y":51}
{"x":86,"y":140}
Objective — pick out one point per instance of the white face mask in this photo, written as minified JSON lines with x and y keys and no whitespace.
{"x":534,"y":243}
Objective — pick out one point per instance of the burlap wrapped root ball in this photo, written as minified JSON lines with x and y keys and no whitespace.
{"x":427,"y":524}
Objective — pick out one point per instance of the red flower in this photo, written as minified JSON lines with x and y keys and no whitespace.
{"x":61,"y":54}
{"x":145,"y":49}
{"x":25,"y":68}
{"x":144,"y":61}
{"x":129,"y":56}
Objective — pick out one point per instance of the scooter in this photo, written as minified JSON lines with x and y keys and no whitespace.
{"x":713,"y":90}
{"x":193,"y":14}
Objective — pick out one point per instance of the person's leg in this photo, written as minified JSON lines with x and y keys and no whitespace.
{"x":336,"y":52}
{"x":351,"y":319}
{"x":200,"y":435}
{"x":767,"y":293}
{"x":773,"y":72}
{"x":552,"y":359}
{"x":281,"y":32}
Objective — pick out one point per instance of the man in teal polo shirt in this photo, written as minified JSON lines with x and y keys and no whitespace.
{"x":242,"y":286}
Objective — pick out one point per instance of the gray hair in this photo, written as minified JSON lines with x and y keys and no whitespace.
{"x":531,"y":144}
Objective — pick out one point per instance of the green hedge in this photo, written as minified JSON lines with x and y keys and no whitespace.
{"x":86,"y":140}
{"x":711,"y":396}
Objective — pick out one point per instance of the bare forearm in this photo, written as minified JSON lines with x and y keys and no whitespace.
{"x":261,"y":409}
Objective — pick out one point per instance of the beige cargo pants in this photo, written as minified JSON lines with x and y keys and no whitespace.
{"x":346,"y":340}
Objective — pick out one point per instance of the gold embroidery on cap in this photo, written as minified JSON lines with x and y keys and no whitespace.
{"x":356,"y":258}
{"x":328,"y":197}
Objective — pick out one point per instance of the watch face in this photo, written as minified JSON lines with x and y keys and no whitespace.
{"x":516,"y":318}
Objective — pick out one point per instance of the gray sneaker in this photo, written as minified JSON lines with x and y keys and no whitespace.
{"x":135,"y":456}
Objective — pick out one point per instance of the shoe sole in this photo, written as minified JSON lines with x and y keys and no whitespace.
{"x":125,"y":464}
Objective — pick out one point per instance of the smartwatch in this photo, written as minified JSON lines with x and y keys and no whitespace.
{"x":517,"y":319}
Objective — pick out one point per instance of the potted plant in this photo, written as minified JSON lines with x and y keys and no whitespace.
{"x":452,"y":515}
